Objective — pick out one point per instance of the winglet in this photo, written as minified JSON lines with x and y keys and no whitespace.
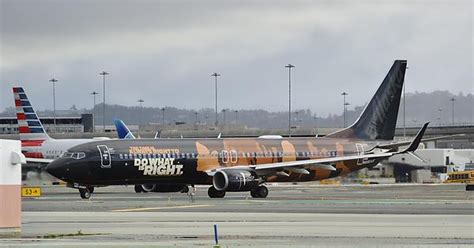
{"x":416,"y":141}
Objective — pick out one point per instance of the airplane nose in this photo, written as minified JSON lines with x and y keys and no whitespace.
{"x":56,"y":168}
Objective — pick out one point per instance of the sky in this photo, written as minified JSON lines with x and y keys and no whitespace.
{"x":165,"y":51}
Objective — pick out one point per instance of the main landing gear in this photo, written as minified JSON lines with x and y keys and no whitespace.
{"x":86,"y":192}
{"x":139,"y":189}
{"x":258,"y":192}
{"x":214,"y":193}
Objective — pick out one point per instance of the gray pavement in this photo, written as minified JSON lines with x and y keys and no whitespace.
{"x":292,"y":215}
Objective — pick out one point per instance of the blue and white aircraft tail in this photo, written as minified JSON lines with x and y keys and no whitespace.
{"x":122,"y":130}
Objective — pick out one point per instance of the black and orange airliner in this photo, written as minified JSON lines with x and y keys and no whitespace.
{"x":241,"y":164}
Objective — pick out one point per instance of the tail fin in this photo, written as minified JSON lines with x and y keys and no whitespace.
{"x":122,"y":130}
{"x":379,"y":118}
{"x":29,"y":125}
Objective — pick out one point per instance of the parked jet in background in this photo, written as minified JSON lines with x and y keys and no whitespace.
{"x":36,"y":144}
{"x":237,"y":164}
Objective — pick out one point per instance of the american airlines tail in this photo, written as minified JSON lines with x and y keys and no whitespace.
{"x":31,"y":130}
{"x":32,"y":133}
{"x":379,"y":118}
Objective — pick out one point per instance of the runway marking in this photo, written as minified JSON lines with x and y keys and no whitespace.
{"x":160,"y":208}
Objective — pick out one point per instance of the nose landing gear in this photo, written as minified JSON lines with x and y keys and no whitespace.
{"x":86,"y":192}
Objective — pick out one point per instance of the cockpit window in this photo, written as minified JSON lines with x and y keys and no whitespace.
{"x":80,"y":155}
{"x":74,"y":155}
{"x":67,"y":155}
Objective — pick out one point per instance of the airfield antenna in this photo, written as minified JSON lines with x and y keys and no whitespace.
{"x":215,"y":75}
{"x":93,"y":93}
{"x":103,"y":74}
{"x":289,"y":66}
{"x":54,"y":81}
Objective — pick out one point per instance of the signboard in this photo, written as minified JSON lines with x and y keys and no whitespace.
{"x":30,"y":191}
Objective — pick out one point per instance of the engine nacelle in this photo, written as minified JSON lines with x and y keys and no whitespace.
{"x":235,"y":180}
{"x":163,"y":187}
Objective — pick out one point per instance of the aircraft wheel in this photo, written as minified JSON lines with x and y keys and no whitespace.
{"x":138,"y":188}
{"x":259,"y":192}
{"x":85,"y":193}
{"x":214,"y":193}
{"x":185,"y":189}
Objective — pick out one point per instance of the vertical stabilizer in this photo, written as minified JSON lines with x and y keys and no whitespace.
{"x":29,"y":126}
{"x":122,"y":130}
{"x":379,"y":118}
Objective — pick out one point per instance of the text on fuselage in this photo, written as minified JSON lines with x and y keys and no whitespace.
{"x":158,"y":166}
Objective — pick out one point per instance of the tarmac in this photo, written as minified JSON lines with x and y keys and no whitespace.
{"x":302,"y":215}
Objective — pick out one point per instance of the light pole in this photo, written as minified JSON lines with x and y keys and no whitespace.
{"x":345,"y":107}
{"x":344,"y":94}
{"x":223,"y":111}
{"x":215,"y":75}
{"x":54,"y":81}
{"x":196,"y":118}
{"x":163,"y":116}
{"x":103,"y":74}
{"x":452,"y":111}
{"x":404,"y":110}
{"x":439,"y":116}
{"x":236,"y":116}
{"x":289,"y":66}
{"x":141,"y":101}
{"x":93,"y":93}
{"x":296,"y":118}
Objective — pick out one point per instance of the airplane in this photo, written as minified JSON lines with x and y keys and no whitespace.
{"x":242,"y":164}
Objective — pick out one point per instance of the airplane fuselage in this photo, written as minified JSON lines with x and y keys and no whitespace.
{"x":187,"y":161}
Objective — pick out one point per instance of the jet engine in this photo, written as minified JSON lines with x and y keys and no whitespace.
{"x":235,"y":180}
{"x":163,"y":187}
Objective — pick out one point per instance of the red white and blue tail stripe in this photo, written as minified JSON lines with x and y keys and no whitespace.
{"x":32,"y":133}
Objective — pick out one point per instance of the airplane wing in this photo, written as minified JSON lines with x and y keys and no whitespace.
{"x":301,"y":166}
{"x":39,"y":160}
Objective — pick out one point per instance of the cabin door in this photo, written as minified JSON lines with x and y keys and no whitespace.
{"x":105,"y":160}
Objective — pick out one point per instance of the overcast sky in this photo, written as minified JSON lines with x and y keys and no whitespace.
{"x":165,"y":51}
